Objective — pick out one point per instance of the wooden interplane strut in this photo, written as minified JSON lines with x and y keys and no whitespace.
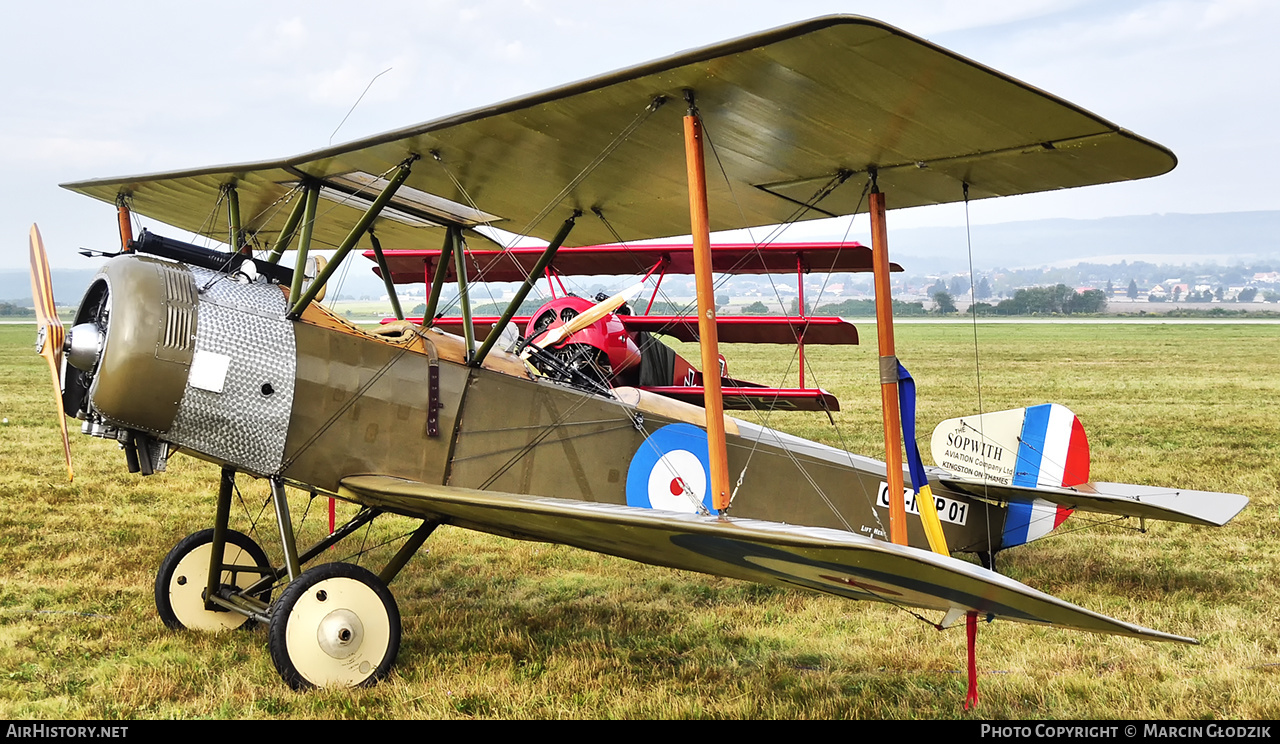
{"x":701,"y":232}
{"x":888,"y":370}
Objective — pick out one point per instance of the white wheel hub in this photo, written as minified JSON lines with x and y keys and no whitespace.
{"x":190,"y":578}
{"x":338,"y":633}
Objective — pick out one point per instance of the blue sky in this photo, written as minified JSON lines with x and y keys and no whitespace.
{"x":96,"y":89}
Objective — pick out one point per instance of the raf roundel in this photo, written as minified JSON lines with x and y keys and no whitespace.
{"x":670,"y":471}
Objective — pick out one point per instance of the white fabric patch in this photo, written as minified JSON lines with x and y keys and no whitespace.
{"x":208,"y":371}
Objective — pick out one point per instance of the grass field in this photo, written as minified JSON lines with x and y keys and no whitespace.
{"x":499,"y":628}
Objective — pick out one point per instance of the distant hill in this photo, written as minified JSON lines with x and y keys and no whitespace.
{"x":1227,"y":238}
{"x":1224,"y":238}
{"x":68,"y":286}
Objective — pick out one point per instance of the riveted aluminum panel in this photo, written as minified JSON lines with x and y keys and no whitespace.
{"x":247,"y":422}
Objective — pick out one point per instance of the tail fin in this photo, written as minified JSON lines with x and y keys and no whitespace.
{"x":1037,"y":447}
{"x":1042,"y":445}
{"x":1037,"y":460}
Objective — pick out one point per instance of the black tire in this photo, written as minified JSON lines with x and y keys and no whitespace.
{"x":183,"y":576}
{"x":336,"y":625}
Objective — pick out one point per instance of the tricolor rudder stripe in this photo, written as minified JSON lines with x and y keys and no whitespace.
{"x":1052,"y":449}
{"x":1031,"y":521}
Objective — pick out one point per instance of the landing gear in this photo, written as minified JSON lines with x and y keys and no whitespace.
{"x":183,"y":579}
{"x":336,"y":625}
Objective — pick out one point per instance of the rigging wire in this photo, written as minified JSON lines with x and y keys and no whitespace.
{"x":357,"y":103}
{"x":590,"y":167}
{"x":587,"y":170}
{"x":977,"y":366}
{"x":825,"y":190}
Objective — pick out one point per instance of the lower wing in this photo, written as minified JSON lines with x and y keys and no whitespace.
{"x":823,"y":560}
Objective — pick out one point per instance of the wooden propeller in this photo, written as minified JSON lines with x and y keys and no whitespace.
{"x":50,"y":334}
{"x":586,"y":318}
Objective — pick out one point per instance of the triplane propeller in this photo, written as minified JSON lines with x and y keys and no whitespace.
{"x":571,"y":425}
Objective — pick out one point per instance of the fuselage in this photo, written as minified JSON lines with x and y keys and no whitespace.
{"x":209,"y":363}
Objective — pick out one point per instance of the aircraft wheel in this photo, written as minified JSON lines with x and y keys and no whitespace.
{"x":336,"y":625}
{"x":184,"y":575}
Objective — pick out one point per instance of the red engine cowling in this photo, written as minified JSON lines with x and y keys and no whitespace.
{"x":605,"y":342}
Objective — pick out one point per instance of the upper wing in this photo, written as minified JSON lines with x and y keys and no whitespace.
{"x":1207,"y":508}
{"x":824,"y":560}
{"x":514,"y":264}
{"x":790,"y":112}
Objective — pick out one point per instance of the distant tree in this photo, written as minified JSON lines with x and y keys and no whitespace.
{"x":795,"y":307}
{"x":982,"y":308}
{"x":903,"y":309}
{"x":1047,"y":300}
{"x":936,"y":287}
{"x":10,"y":309}
{"x":1247,"y":294}
{"x":958,"y":285}
{"x":669,"y":308}
{"x":1133,"y":289}
{"x":418,"y":310}
{"x":851,"y":308}
{"x":1110,"y":288}
{"x":1089,"y":301}
{"x":944,"y":304}
{"x":722,"y":300}
{"x":1011,"y":306}
{"x":983,"y":290}
{"x":1177,"y":292}
{"x":1058,"y":299}
{"x":1221,"y":291}
{"x":756,"y":308}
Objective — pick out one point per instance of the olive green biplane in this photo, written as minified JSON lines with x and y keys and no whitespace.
{"x":228,"y":355}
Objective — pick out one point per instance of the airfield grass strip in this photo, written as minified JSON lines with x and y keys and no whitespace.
{"x":497,"y":628}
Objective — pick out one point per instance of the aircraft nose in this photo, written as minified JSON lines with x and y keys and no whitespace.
{"x":84,"y":346}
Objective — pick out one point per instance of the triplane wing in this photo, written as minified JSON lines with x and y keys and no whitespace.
{"x":228,"y":356}
{"x":636,"y":358}
{"x":514,"y":264}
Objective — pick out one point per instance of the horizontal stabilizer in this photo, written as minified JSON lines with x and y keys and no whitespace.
{"x":823,"y":560}
{"x":1206,"y":508}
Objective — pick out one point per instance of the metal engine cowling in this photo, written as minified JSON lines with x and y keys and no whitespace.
{"x":143,"y":310}
{"x":185,"y":355}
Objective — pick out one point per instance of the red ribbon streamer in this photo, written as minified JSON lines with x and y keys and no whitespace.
{"x":971,"y":630}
